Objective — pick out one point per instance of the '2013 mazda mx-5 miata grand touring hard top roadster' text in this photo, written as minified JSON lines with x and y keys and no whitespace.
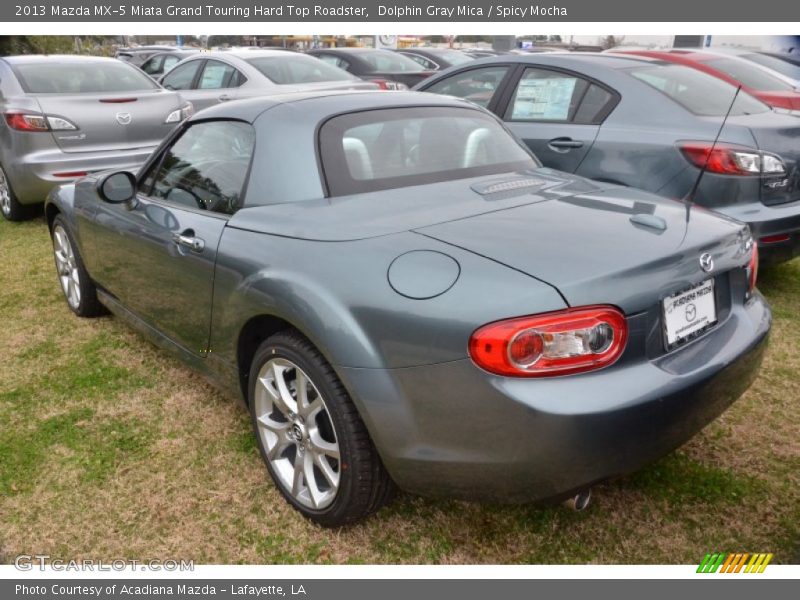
{"x":407,"y":298}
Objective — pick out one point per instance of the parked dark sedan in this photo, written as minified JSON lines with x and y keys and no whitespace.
{"x":648,"y":124}
{"x":436,"y":59}
{"x":440,"y":311}
{"x":390,"y":70}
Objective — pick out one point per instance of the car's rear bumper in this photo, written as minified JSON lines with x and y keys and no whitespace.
{"x":451,"y":429}
{"x":33,"y":175}
{"x":780,"y":222}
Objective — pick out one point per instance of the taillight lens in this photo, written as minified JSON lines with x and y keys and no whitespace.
{"x":728,"y":159}
{"x":385,"y":84}
{"x":558,"y":343}
{"x":183,"y":113}
{"x":25,"y":121}
{"x":752,"y":271}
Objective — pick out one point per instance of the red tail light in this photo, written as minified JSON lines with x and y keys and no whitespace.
{"x":26,"y":121}
{"x":728,"y":159}
{"x":752,"y":271}
{"x":385,"y":84}
{"x":558,"y":343}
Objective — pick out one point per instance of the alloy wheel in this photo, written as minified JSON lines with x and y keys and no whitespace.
{"x":67,"y":267}
{"x":297,"y":433}
{"x":5,"y":194}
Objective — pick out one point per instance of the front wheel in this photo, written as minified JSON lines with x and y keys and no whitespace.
{"x":311,"y":438}
{"x":79,"y":290}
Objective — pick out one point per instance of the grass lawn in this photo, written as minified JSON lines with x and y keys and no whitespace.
{"x":110,"y":448}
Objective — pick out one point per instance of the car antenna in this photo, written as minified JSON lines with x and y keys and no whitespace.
{"x":689,"y":199}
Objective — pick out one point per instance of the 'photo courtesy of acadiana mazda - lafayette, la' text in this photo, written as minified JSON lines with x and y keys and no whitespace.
{"x":432,"y":298}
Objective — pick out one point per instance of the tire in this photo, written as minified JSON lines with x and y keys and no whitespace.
{"x":79,"y":290}
{"x":10,"y":207}
{"x":301,"y":440}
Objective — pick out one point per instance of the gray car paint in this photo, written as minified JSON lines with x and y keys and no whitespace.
{"x":637,"y":143}
{"x":100,"y":143}
{"x":442,"y":425}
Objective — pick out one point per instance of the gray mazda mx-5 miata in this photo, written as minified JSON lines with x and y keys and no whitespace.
{"x":401,"y":294}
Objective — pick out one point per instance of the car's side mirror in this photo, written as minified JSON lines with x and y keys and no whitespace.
{"x":117,"y":188}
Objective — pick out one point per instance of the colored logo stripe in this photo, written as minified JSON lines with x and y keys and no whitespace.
{"x":734,"y":563}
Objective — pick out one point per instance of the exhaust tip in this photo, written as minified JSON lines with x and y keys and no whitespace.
{"x":579,"y":501}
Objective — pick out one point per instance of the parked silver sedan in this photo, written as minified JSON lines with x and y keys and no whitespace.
{"x":66,"y":116}
{"x":210,"y":78}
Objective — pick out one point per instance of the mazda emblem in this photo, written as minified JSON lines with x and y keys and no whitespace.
{"x":124,"y":118}
{"x":707,"y":263}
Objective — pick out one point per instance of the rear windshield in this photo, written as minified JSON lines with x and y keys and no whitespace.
{"x":91,"y":77}
{"x":297,"y":68}
{"x":750,"y":75}
{"x":389,"y":62}
{"x":776,"y":64}
{"x":699,"y":92}
{"x":394,"y":148}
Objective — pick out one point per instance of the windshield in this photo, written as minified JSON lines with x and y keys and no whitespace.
{"x":297,"y":68}
{"x":776,"y":64}
{"x":90,"y":77}
{"x":384,"y":61}
{"x":699,"y":92}
{"x":750,"y":75}
{"x":394,"y":148}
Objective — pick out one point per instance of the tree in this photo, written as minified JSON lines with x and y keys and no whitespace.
{"x":611,"y":41}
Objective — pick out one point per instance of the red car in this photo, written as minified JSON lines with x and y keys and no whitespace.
{"x":753,"y":79}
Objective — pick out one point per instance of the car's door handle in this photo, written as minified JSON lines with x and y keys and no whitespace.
{"x":225,"y":98}
{"x":565,"y":142}
{"x":188,"y":240}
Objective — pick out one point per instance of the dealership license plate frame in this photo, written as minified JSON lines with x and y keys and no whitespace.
{"x":706,"y":315}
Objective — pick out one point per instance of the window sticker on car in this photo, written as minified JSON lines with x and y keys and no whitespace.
{"x":544,"y":99}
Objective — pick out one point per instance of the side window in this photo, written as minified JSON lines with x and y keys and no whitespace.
{"x":421,"y":60}
{"x":334,"y":60}
{"x":475,"y":85}
{"x":217,"y":75}
{"x":206,"y":167}
{"x":595,"y":106}
{"x":182,"y":77}
{"x":543,"y":95}
{"x":169,"y":62}
{"x":152,"y":66}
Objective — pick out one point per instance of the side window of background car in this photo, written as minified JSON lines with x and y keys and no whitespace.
{"x":544,"y":95}
{"x":475,"y":85}
{"x":182,"y":76}
{"x":217,"y":75}
{"x":424,"y":62}
{"x":152,"y":66}
{"x":169,"y":62}
{"x":206,"y":167}
{"x":335,"y":61}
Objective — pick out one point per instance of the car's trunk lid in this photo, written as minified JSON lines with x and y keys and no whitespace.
{"x":119,"y":121}
{"x":617,"y":246}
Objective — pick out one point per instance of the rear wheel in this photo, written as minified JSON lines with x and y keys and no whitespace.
{"x":314,"y":443}
{"x":79,"y":290}
{"x":10,"y":207}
